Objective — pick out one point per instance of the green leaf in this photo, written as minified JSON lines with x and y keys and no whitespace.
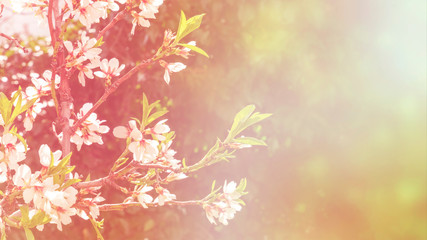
{"x":194,"y":48}
{"x":240,"y":117}
{"x":29,"y":234}
{"x":99,"y":42}
{"x":40,"y":218}
{"x":250,"y":141}
{"x":155,"y":115}
{"x":242,"y":185}
{"x":97,"y":225}
{"x":256,"y":117}
{"x":17,"y":109}
{"x":181,"y":26}
{"x":25,"y":220}
{"x":183,"y":163}
{"x":70,"y":182}
{"x":187,"y":26}
{"x":21,"y":139}
{"x":5,"y":107}
{"x":213,"y":186}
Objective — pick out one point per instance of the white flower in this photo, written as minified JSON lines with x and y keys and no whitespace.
{"x":170,"y":68}
{"x":164,"y":196}
{"x":159,"y":129}
{"x":13,"y":152}
{"x":144,"y":198}
{"x":150,"y":5}
{"x":89,"y":12}
{"x":45,"y":156}
{"x":130,"y":131}
{"x":144,"y":150}
{"x":109,"y":69}
{"x":141,"y":19}
{"x":90,"y":130}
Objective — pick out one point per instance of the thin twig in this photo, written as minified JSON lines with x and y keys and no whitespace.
{"x":121,"y":206}
{"x":117,"y":18}
{"x":110,"y":90}
{"x":14,"y":41}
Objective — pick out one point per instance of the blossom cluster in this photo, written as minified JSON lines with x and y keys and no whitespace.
{"x":84,"y":56}
{"x":148,"y":164}
{"x":41,"y":190}
{"x":225,"y":205}
{"x":88,"y":12}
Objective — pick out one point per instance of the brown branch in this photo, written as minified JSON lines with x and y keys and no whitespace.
{"x":14,"y":41}
{"x":110,"y":178}
{"x":122,"y":206}
{"x":117,"y":18}
{"x":95,"y":183}
{"x":110,"y":90}
{"x":50,"y":22}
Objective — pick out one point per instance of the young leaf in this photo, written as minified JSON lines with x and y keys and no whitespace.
{"x":181,"y":26}
{"x":25,"y":220}
{"x":5,"y":107}
{"x":213,"y":186}
{"x":155,"y":115}
{"x":190,"y":25}
{"x":196,"y":49}
{"x":240,"y":117}
{"x":250,"y":141}
{"x":29,"y":234}
{"x":21,"y":139}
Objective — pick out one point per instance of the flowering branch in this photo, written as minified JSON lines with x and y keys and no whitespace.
{"x":122,"y":206}
{"x":117,"y":18}
{"x":14,"y":41}
{"x":55,"y":193}
{"x":110,"y":90}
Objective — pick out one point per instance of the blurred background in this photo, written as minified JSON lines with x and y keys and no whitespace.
{"x":345,"y":81}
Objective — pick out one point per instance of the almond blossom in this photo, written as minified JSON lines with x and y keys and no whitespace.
{"x":46,"y":156}
{"x":141,"y":19}
{"x":85,"y":50}
{"x":125,"y":132}
{"x":41,"y":85}
{"x":164,"y":196}
{"x":143,"y":197}
{"x":170,"y":68}
{"x":90,"y":130}
{"x":13,"y":152}
{"x":159,"y":129}
{"x":109,"y":69}
{"x":150,"y":5}
{"x":89,"y":12}
{"x":225,"y":206}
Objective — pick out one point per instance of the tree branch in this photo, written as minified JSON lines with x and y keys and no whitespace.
{"x":14,"y":41}
{"x":110,"y":90}
{"x":122,"y":206}
{"x":117,"y":18}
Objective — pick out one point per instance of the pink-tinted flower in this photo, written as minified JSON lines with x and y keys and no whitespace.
{"x":164,"y":196}
{"x":90,"y":130}
{"x":109,"y":69}
{"x":143,"y":197}
{"x":13,"y":152}
{"x":150,"y":5}
{"x":159,"y":129}
{"x":46,"y":157}
{"x":170,"y":68}
{"x":130,"y":131}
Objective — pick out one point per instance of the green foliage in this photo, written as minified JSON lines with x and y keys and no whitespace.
{"x":194,"y":48}
{"x":187,"y":26}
